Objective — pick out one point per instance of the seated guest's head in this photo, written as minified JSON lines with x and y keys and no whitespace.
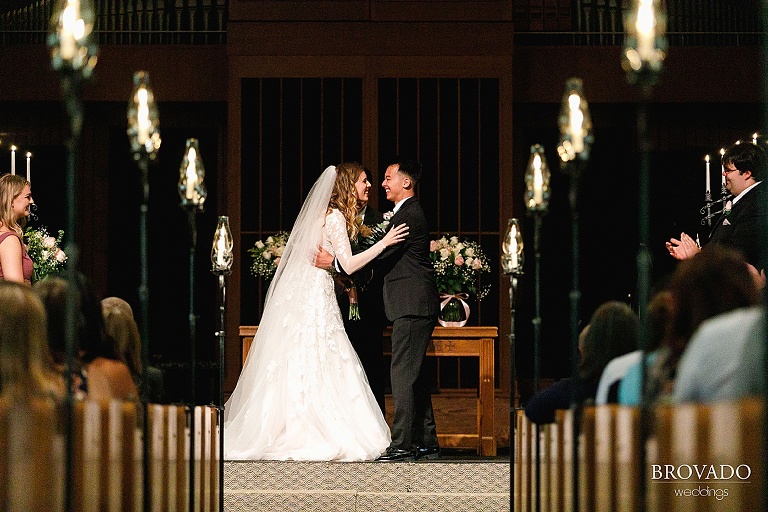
{"x":26,"y":368}
{"x":121,"y":326}
{"x":612,"y":333}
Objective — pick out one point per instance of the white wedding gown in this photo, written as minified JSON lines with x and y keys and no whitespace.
{"x":302,"y":394}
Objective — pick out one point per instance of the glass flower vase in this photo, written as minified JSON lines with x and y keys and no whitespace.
{"x":454,"y":311}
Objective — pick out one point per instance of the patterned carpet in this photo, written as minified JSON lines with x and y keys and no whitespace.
{"x":451,"y":485}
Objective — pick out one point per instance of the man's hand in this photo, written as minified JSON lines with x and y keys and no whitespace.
{"x":684,"y":248}
{"x":323,"y":259}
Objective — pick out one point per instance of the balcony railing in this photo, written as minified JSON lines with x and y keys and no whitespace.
{"x":124,"y":21}
{"x":536,"y":22}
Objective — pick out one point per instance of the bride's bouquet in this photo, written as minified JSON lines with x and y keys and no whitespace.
{"x":266,"y":254}
{"x":45,"y":252}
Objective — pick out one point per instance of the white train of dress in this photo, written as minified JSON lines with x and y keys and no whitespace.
{"x":302,"y":394}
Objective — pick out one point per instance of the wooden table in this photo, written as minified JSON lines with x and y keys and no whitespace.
{"x":450,"y":341}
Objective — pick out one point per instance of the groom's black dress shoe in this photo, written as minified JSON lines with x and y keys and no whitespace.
{"x":397,"y":454}
{"x":427,"y":452}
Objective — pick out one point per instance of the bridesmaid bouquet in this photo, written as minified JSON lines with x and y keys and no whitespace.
{"x":266,"y":254}
{"x":45,"y":252}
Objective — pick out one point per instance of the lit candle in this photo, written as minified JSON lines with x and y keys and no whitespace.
{"x":538,"y":181}
{"x":706,"y":159}
{"x":754,"y":138}
{"x":221,"y":249}
{"x":13,"y":159}
{"x":513,"y":248}
{"x":29,"y":156}
{"x":722,"y":167}
{"x":576,"y":121}
{"x":645,"y":30}
{"x":143,"y":115}
{"x":191,"y":174}
{"x":67,"y":34}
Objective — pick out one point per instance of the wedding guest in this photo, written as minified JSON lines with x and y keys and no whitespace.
{"x":100,"y":374}
{"x":714,"y":281}
{"x":612,"y":332}
{"x":121,"y":326}
{"x":15,"y":201}
{"x":26,"y":367}
{"x":741,"y":226}
{"x":711,"y":369}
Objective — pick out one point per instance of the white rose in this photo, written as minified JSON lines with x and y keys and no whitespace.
{"x":278,"y":251}
{"x":60,"y":256}
{"x":459,"y":246}
{"x":469,"y":251}
{"x":49,"y":242}
{"x":454,"y":240}
{"x":266,"y":255}
{"x":444,"y":253}
{"x":259,"y":244}
{"x":270,"y":240}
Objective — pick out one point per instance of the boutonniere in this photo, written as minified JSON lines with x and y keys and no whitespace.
{"x":727,"y":208}
{"x":388,"y":216}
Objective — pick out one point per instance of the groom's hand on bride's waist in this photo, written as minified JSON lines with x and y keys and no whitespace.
{"x":323,"y":259}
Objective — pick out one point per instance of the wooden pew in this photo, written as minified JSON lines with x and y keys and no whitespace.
{"x":107,"y":455}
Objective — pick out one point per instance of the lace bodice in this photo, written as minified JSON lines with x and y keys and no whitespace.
{"x":336,"y":241}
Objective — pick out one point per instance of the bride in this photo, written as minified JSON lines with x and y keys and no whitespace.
{"x":302,"y":394}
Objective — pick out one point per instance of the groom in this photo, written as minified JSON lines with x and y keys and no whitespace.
{"x":411,"y":302}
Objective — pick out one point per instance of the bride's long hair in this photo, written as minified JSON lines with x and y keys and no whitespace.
{"x":344,"y":195}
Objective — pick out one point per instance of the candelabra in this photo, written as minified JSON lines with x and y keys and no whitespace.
{"x":537,"y":194}
{"x":193,"y":194}
{"x":644,"y":51}
{"x":512,"y":265}
{"x":144,"y":137}
{"x":221,"y":259}
{"x":73,"y":56}
{"x":576,"y":139}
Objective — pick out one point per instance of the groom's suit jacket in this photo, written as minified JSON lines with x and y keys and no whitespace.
{"x":409,"y":281}
{"x":742,"y":228}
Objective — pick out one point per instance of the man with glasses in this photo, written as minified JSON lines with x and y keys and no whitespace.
{"x":745,"y":215}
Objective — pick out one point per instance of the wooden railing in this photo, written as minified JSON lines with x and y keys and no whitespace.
{"x":107,"y":467}
{"x":683,"y":439}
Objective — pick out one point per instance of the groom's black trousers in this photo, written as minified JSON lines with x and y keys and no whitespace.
{"x":414,"y":420}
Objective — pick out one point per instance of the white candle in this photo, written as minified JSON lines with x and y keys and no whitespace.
{"x":69,"y":19}
{"x":13,"y":159}
{"x":221,"y":249}
{"x":754,"y":139}
{"x":538,"y":181}
{"x":576,"y":121}
{"x":644,"y":25}
{"x":191,"y":179}
{"x":722,"y":167}
{"x":513,"y":247}
{"x":29,"y":156}
{"x":143,"y":115}
{"x":706,"y":159}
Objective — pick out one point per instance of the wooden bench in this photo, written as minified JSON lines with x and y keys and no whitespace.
{"x":727,"y":433}
{"x":450,"y":341}
{"x":107,"y":453}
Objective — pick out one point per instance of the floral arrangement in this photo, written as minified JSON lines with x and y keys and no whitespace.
{"x":45,"y":252}
{"x":458,"y":266}
{"x":266,"y":254}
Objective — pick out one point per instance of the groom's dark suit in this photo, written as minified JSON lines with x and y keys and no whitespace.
{"x":741,"y":228}
{"x":411,"y":302}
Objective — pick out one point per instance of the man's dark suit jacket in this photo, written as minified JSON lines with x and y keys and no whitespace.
{"x":742,"y":228}
{"x":409,"y":283}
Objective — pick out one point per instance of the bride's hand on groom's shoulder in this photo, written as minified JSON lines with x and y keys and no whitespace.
{"x":395,"y":235}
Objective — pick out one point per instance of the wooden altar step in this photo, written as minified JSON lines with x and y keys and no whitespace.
{"x":444,"y":485}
